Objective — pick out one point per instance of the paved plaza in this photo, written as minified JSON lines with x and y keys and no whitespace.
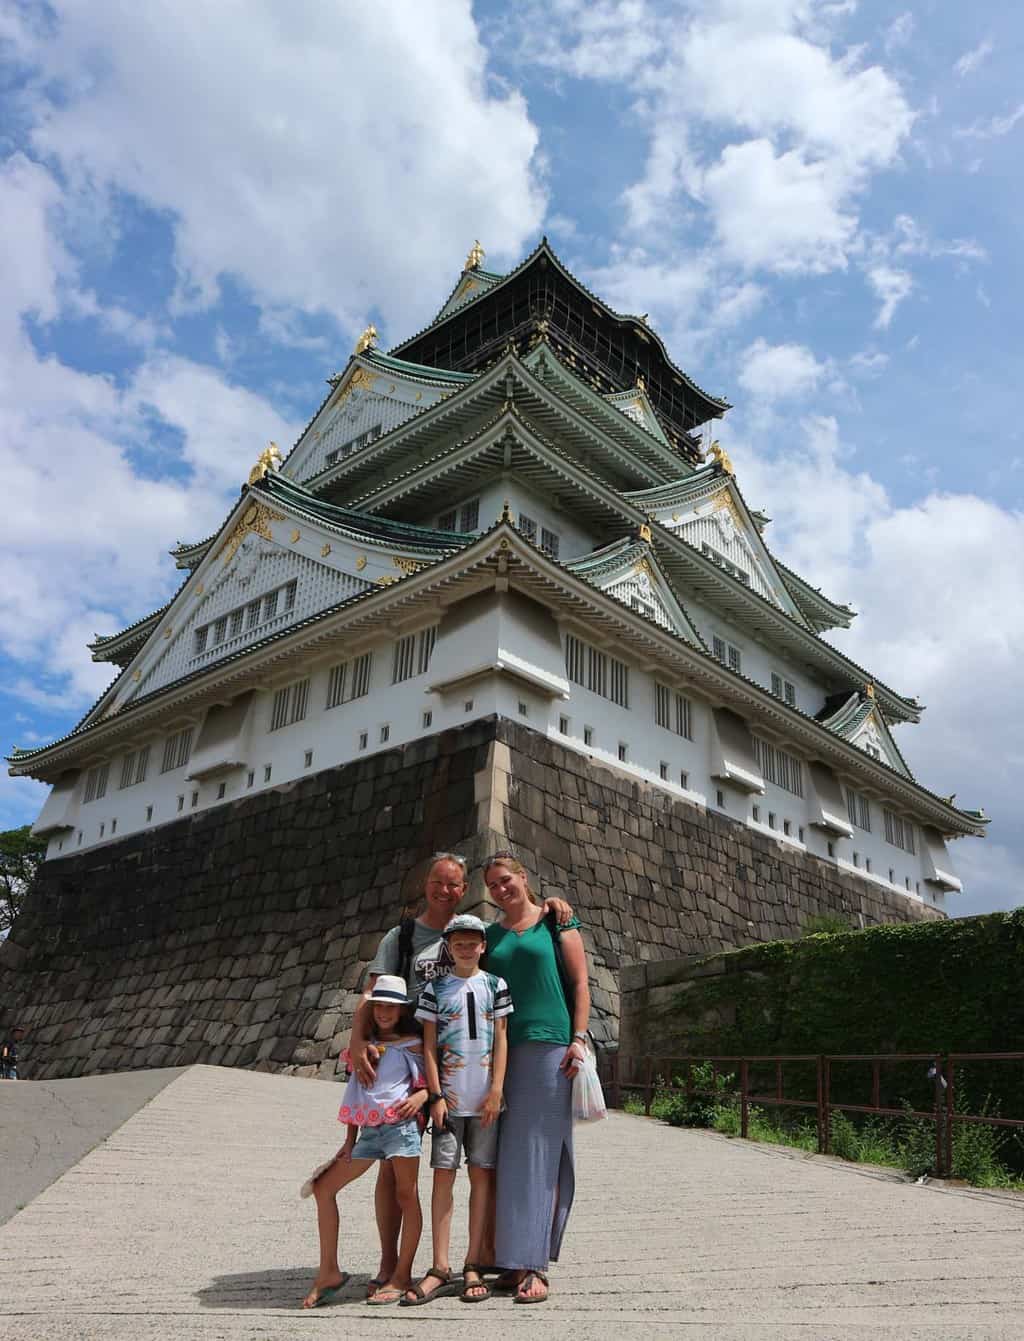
{"x":184,"y":1222}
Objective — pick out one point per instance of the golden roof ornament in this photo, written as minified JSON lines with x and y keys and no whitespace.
{"x":869,"y":689}
{"x":268,"y":459}
{"x":367,"y":340}
{"x":644,"y":532}
{"x":475,"y":259}
{"x":721,"y":457}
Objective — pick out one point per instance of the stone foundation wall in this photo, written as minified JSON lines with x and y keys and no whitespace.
{"x":239,"y":936}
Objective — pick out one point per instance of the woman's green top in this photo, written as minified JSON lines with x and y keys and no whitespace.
{"x":526,"y":960}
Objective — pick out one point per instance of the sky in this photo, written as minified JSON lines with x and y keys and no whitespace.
{"x":817,"y":202}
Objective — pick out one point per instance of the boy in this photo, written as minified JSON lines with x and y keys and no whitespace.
{"x":9,"y":1054}
{"x":465,"y":1050}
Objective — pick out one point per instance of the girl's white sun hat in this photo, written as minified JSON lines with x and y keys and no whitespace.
{"x":390,"y":990}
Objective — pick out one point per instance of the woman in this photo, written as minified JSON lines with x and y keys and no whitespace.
{"x":536,"y":1177}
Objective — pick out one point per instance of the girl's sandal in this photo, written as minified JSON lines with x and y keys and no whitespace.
{"x":478,"y":1284}
{"x":525,"y":1283}
{"x":325,"y":1294}
{"x":425,"y":1296}
{"x":374,"y":1284}
{"x":387,"y":1294}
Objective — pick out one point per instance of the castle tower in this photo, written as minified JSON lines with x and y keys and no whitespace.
{"x":507,"y":519}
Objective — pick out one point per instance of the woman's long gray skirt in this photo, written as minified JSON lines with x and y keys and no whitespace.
{"x":536,"y":1174}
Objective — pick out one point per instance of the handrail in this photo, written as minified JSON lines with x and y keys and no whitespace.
{"x":942,"y":1073}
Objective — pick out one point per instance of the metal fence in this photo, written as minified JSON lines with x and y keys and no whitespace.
{"x":942,"y":1071}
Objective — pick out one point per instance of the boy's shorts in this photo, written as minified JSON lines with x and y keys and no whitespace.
{"x":391,"y":1139}
{"x":480,"y":1142}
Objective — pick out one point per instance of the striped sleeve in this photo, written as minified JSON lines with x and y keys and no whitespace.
{"x":428,"y":1007}
{"x":502,"y":999}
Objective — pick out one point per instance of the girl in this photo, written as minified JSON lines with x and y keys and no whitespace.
{"x":382,"y":1125}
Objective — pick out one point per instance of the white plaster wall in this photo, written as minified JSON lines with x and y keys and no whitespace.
{"x":575,"y":540}
{"x":333,"y":737}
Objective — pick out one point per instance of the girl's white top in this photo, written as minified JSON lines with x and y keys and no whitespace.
{"x":399,"y":1072}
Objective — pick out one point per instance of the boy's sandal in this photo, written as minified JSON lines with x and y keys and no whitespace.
{"x":524,"y":1284}
{"x":478,"y":1284}
{"x":424,"y":1296}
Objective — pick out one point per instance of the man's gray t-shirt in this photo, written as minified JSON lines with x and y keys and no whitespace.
{"x":431,"y":957}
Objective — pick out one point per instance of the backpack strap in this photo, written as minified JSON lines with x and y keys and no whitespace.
{"x":405,"y":929}
{"x":568,"y":986}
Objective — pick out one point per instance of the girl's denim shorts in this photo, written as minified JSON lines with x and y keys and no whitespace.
{"x":401,"y":1139}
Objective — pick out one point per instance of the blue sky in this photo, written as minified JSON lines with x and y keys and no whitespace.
{"x":818,"y":204}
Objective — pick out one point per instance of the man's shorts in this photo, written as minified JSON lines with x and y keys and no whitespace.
{"x":391,"y":1139}
{"x":480,"y":1142}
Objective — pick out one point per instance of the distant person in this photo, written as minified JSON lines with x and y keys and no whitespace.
{"x":383,"y":1126}
{"x":464,"y":1055}
{"x":9,"y":1053}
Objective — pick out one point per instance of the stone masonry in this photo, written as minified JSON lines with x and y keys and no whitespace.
{"x":239,"y":936}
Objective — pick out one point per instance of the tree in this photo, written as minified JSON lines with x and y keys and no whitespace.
{"x":20,"y":858}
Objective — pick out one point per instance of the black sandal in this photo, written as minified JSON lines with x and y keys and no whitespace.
{"x":525,"y":1283}
{"x":478,"y":1284}
{"x":424,"y":1296}
{"x":507,"y":1282}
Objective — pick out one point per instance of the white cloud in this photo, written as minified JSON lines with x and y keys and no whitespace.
{"x":280,"y":155}
{"x":777,"y":372}
{"x":797,"y":205}
{"x":970,"y":60}
{"x":891,"y":286}
{"x":899,"y":32}
{"x":993,"y":128}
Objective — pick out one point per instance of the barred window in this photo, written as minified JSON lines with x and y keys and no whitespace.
{"x":448,"y":521}
{"x":899,"y":832}
{"x":783,"y":688}
{"x":620,"y":683}
{"x":201,"y":636}
{"x":469,"y":517}
{"x":361,"y":671}
{"x":549,"y":542}
{"x":597,"y":672}
{"x":252,"y":617}
{"x":336,"y":684}
{"x":427,"y":639}
{"x":727,"y":653}
{"x":779,"y":766}
{"x":134,"y":768}
{"x":528,"y":527}
{"x":220,"y":628}
{"x":405,"y":653}
{"x":235,"y":623}
{"x":290,"y":704}
{"x":673,"y":711}
{"x":290,"y":592}
{"x":96,"y":783}
{"x":858,"y":809}
{"x":246,"y":617}
{"x":177,"y":749}
{"x":270,"y":605}
{"x":574,"y":652}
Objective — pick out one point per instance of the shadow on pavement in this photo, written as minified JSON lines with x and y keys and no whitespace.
{"x":282,"y":1288}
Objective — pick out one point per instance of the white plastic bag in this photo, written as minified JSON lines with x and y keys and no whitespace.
{"x":587,"y":1097}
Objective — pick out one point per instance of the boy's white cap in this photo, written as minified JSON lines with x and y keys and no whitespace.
{"x":390,"y":990}
{"x":465,"y":922}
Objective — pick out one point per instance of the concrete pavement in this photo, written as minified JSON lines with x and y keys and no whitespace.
{"x":185,"y":1223}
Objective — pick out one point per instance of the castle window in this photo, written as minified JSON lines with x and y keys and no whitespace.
{"x":784,"y":689}
{"x":103,"y":828}
{"x":133,"y":768}
{"x":620,"y":683}
{"x":673,"y":711}
{"x":448,"y":521}
{"x":113,"y":826}
{"x":195,"y":799}
{"x":522,"y":709}
{"x":468,"y":705}
{"x":858,"y":809}
{"x":787,"y":827}
{"x":528,"y":527}
{"x":428,"y":719}
{"x":307,"y":759}
{"x":755,"y":814}
{"x":597,"y":672}
{"x":181,"y":804}
{"x":718,"y":558}
{"x":267,"y":770}
{"x":236,"y":621}
{"x":623,"y":751}
{"x":663,"y":771}
{"x":549,"y":542}
{"x":289,"y":704}
{"x":588,"y":735}
{"x":720,"y":799}
{"x":574,"y":656}
{"x":201,"y":636}
{"x":349,"y":680}
{"x":364,"y":740}
{"x":469,"y":516}
{"x":252,"y":614}
{"x":250,"y":777}
{"x":177,"y":749}
{"x":727,"y":653}
{"x":899,"y":832}
{"x":779,"y":766}
{"x":405,"y":652}
{"x":771,"y":819}
{"x":290,"y":592}
{"x":385,"y":733}
{"x":149,"y":813}
{"x":563,"y":725}
{"x":425,"y":649}
{"x":684,"y":780}
{"x":270,"y":605}
{"x":221,"y":790}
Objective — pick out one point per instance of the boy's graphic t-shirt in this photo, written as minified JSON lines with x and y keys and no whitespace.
{"x":464,"y":1010}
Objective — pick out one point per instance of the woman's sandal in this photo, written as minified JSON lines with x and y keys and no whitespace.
{"x":478,"y":1284}
{"x":524,"y":1284}
{"x":424,"y":1296}
{"x":507,"y":1283}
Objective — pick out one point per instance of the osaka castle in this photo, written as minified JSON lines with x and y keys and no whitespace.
{"x":510,"y":514}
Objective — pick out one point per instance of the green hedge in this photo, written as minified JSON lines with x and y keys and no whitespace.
{"x":951,"y":986}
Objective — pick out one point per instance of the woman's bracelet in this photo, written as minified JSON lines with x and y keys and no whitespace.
{"x":580,"y":1034}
